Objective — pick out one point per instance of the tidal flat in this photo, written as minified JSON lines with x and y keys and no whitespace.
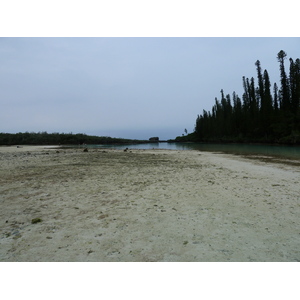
{"x":109,"y":205}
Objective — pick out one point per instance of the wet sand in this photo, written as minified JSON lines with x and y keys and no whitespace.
{"x":146,"y":205}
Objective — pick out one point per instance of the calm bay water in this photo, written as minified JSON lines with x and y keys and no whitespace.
{"x":291,"y":152}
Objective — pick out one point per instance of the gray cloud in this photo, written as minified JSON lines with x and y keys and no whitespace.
{"x":125,"y":86}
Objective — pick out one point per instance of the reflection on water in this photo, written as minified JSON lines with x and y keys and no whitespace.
{"x":246,"y":149}
{"x":292,"y":152}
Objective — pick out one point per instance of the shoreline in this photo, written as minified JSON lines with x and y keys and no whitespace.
{"x":146,"y":205}
{"x":254,"y":154}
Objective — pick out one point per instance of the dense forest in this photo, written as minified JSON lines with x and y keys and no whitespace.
{"x":44,"y":138}
{"x":264,"y":114}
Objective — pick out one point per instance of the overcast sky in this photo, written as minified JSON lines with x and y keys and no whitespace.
{"x":125,"y":87}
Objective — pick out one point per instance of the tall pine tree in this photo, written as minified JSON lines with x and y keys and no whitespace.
{"x":284,"y":91}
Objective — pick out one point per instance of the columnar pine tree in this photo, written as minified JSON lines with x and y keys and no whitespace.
{"x":260,"y":84}
{"x":275,"y":89}
{"x":267,"y":107}
{"x":259,"y":116}
{"x":284,"y":91}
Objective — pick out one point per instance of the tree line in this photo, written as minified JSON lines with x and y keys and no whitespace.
{"x":44,"y":138}
{"x":265,"y":113}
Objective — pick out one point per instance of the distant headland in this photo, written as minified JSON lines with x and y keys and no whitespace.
{"x":44,"y":138}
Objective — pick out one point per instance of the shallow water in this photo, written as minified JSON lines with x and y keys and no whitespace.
{"x":291,"y":152}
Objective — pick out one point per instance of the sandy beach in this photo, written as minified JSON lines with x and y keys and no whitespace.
{"x":146,"y":205}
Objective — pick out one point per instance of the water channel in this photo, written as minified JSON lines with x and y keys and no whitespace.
{"x":290,"y":152}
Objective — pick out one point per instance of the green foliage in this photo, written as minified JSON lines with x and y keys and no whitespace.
{"x":186,"y":138}
{"x":44,"y":138}
{"x":259,"y":116}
